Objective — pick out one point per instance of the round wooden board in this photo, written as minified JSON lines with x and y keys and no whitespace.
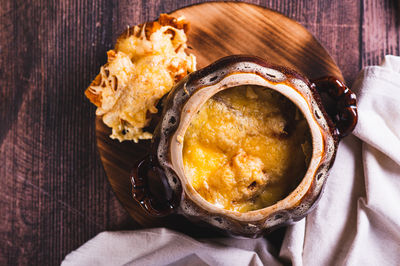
{"x":217,"y":30}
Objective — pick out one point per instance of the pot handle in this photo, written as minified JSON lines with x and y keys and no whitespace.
{"x":150,"y":188}
{"x":339,"y":102}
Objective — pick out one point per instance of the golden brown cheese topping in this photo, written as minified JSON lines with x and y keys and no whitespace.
{"x":246,"y":149}
{"x":146,"y":62}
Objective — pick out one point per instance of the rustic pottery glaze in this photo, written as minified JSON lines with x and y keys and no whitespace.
{"x":159,"y":182}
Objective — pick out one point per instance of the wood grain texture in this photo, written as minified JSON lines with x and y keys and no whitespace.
{"x":54,"y":191}
{"x":218,"y":30}
{"x":380,"y":30}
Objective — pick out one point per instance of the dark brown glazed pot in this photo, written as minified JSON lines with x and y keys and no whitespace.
{"x":159,"y":182}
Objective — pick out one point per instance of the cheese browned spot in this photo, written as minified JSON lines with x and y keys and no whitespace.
{"x":246,"y":149}
{"x":144,"y":65}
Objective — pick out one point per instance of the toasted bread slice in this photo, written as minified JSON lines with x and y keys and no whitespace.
{"x":146,"y":62}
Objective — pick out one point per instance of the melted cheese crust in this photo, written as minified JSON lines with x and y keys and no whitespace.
{"x":246,"y":149}
{"x":146,"y":62}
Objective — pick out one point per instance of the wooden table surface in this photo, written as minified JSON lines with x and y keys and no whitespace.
{"x":54,"y":194}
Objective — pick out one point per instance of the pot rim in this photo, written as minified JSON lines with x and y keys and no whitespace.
{"x":293,"y":88}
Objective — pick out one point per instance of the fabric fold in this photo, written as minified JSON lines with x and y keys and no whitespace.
{"x":161,"y":246}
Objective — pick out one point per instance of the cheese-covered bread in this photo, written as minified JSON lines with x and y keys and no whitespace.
{"x":146,"y":62}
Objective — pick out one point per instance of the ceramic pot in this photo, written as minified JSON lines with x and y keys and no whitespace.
{"x":159,"y":182}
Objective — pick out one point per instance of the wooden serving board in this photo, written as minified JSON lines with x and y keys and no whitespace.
{"x":217,"y":30}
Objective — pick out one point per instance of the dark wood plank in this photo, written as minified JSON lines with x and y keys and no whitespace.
{"x":380,"y":30}
{"x":54,"y":192}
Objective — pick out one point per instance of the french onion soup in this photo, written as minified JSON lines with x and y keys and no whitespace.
{"x":247,"y":148}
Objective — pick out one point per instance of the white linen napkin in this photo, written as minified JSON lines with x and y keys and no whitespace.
{"x":161,"y":246}
{"x":356,"y":222}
